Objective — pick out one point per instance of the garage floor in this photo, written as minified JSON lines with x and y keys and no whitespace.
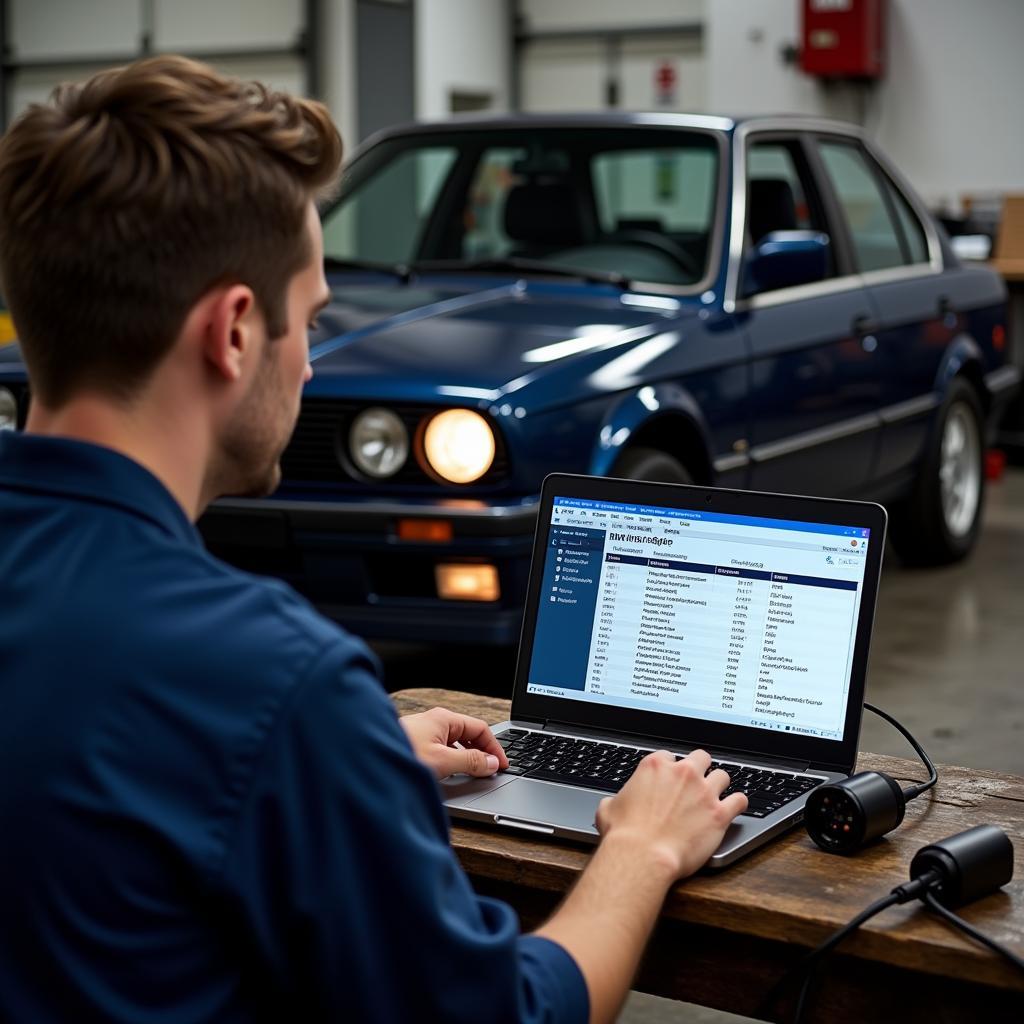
{"x":947,"y":660}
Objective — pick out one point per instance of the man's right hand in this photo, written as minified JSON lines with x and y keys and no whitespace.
{"x":673,"y":810}
{"x":663,"y":825}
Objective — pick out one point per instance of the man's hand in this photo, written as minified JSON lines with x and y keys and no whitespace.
{"x":433,"y":732}
{"x":661,"y":826}
{"x":673,"y":809}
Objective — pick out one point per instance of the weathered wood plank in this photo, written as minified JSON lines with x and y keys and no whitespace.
{"x":790,"y":891}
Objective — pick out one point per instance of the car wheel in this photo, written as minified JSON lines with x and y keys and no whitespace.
{"x":940,"y":521}
{"x":651,"y":464}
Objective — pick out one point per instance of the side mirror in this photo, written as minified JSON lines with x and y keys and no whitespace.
{"x":784,"y":259}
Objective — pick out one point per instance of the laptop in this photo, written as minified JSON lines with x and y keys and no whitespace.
{"x":663,"y":616}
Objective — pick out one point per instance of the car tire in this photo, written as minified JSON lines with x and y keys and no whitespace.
{"x":651,"y":464}
{"x":940,"y":521}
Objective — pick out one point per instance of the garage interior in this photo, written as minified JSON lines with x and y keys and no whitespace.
{"x":946,"y":656}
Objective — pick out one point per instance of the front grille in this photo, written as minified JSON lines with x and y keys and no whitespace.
{"x":312,"y":452}
{"x":317,"y":449}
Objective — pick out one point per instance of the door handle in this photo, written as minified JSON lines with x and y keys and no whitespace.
{"x":945,"y":306}
{"x":864,"y":324}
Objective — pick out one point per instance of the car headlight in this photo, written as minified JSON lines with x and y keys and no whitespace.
{"x":8,"y":410}
{"x":378,"y":443}
{"x":459,"y":445}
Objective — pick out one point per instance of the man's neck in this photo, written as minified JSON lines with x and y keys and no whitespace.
{"x":169,"y":443}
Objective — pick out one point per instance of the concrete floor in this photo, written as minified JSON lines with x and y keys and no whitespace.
{"x":947,"y":660}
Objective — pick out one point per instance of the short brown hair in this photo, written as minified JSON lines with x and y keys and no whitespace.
{"x":126,"y":197}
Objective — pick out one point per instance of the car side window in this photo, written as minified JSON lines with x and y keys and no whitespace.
{"x":780,"y":192}
{"x":913,"y":232}
{"x":874,"y":235}
{"x":777,"y":196}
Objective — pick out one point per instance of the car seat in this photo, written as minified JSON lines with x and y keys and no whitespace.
{"x":772,"y":207}
{"x":542,"y":218}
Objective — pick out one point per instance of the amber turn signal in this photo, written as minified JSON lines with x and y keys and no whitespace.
{"x":467,"y":582}
{"x":433,"y":531}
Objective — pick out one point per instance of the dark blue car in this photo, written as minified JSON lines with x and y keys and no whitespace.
{"x":761,"y":303}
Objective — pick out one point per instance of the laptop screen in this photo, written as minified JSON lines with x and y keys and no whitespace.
{"x":730,"y":618}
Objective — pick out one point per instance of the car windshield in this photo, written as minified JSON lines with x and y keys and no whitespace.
{"x":637,"y":203}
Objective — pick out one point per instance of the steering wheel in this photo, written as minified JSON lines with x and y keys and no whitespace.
{"x":653,"y":240}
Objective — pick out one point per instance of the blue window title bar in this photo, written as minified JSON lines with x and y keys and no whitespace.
{"x":712,"y":517}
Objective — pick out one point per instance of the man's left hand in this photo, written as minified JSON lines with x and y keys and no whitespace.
{"x":433,"y":732}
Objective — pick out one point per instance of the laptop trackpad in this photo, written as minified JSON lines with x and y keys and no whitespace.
{"x":542,"y":802}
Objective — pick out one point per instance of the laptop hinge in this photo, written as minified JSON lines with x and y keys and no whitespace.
{"x":721,"y":753}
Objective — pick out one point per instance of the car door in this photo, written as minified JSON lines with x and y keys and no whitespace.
{"x":814,"y":376}
{"x":915,"y":305}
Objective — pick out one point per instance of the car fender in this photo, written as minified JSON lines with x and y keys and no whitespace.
{"x":637,"y":411}
{"x":963,"y":357}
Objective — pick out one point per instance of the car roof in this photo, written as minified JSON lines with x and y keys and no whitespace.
{"x":616,"y":119}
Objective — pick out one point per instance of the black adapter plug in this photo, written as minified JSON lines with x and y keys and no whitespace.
{"x":842,"y":816}
{"x":969,"y":865}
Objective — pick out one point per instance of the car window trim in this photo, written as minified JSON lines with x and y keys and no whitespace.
{"x":835,"y":285}
{"x":845,"y":282}
{"x":741,"y":137}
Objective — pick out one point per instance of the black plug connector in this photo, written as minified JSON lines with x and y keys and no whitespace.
{"x":842,"y":816}
{"x":969,"y":865}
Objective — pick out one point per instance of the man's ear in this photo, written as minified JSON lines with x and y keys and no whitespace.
{"x":229,"y":333}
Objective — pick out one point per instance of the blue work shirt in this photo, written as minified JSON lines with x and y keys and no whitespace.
{"x":208,"y":809}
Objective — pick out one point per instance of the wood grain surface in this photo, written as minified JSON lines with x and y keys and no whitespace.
{"x":790,"y":895}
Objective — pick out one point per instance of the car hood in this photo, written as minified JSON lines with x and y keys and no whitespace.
{"x":458,"y":339}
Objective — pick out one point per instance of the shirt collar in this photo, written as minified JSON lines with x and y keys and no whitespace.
{"x":80,"y":471}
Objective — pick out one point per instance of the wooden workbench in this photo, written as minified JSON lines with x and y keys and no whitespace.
{"x":724,"y":938}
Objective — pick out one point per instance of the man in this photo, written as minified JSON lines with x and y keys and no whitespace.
{"x":208,"y":809}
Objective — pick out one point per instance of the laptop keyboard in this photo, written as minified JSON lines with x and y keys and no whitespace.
{"x":608,"y":766}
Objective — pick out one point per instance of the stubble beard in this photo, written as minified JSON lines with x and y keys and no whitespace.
{"x":249,"y":460}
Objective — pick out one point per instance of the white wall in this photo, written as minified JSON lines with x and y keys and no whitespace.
{"x":562,"y":74}
{"x":571,"y":74}
{"x":461,"y":46}
{"x":578,"y":15}
{"x":947,"y":110}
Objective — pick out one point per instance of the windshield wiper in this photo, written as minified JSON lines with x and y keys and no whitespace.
{"x":522,"y":264}
{"x":400,"y":270}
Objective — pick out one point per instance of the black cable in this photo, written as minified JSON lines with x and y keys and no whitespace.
{"x":808,"y":962}
{"x":969,"y":929}
{"x":915,"y":889}
{"x":933,"y":776}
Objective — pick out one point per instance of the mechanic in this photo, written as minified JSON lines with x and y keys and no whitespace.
{"x":209,"y":809}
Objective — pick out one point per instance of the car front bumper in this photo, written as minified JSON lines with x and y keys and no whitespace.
{"x":348,"y":558}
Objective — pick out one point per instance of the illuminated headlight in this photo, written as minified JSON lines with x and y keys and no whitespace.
{"x":459,"y":445}
{"x":378,"y":443}
{"x":8,"y":410}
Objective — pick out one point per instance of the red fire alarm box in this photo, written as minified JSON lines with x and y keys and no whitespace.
{"x":843,"y":38}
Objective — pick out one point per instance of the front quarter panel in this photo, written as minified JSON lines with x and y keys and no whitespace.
{"x":580,"y":416}
{"x":643,"y":407}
